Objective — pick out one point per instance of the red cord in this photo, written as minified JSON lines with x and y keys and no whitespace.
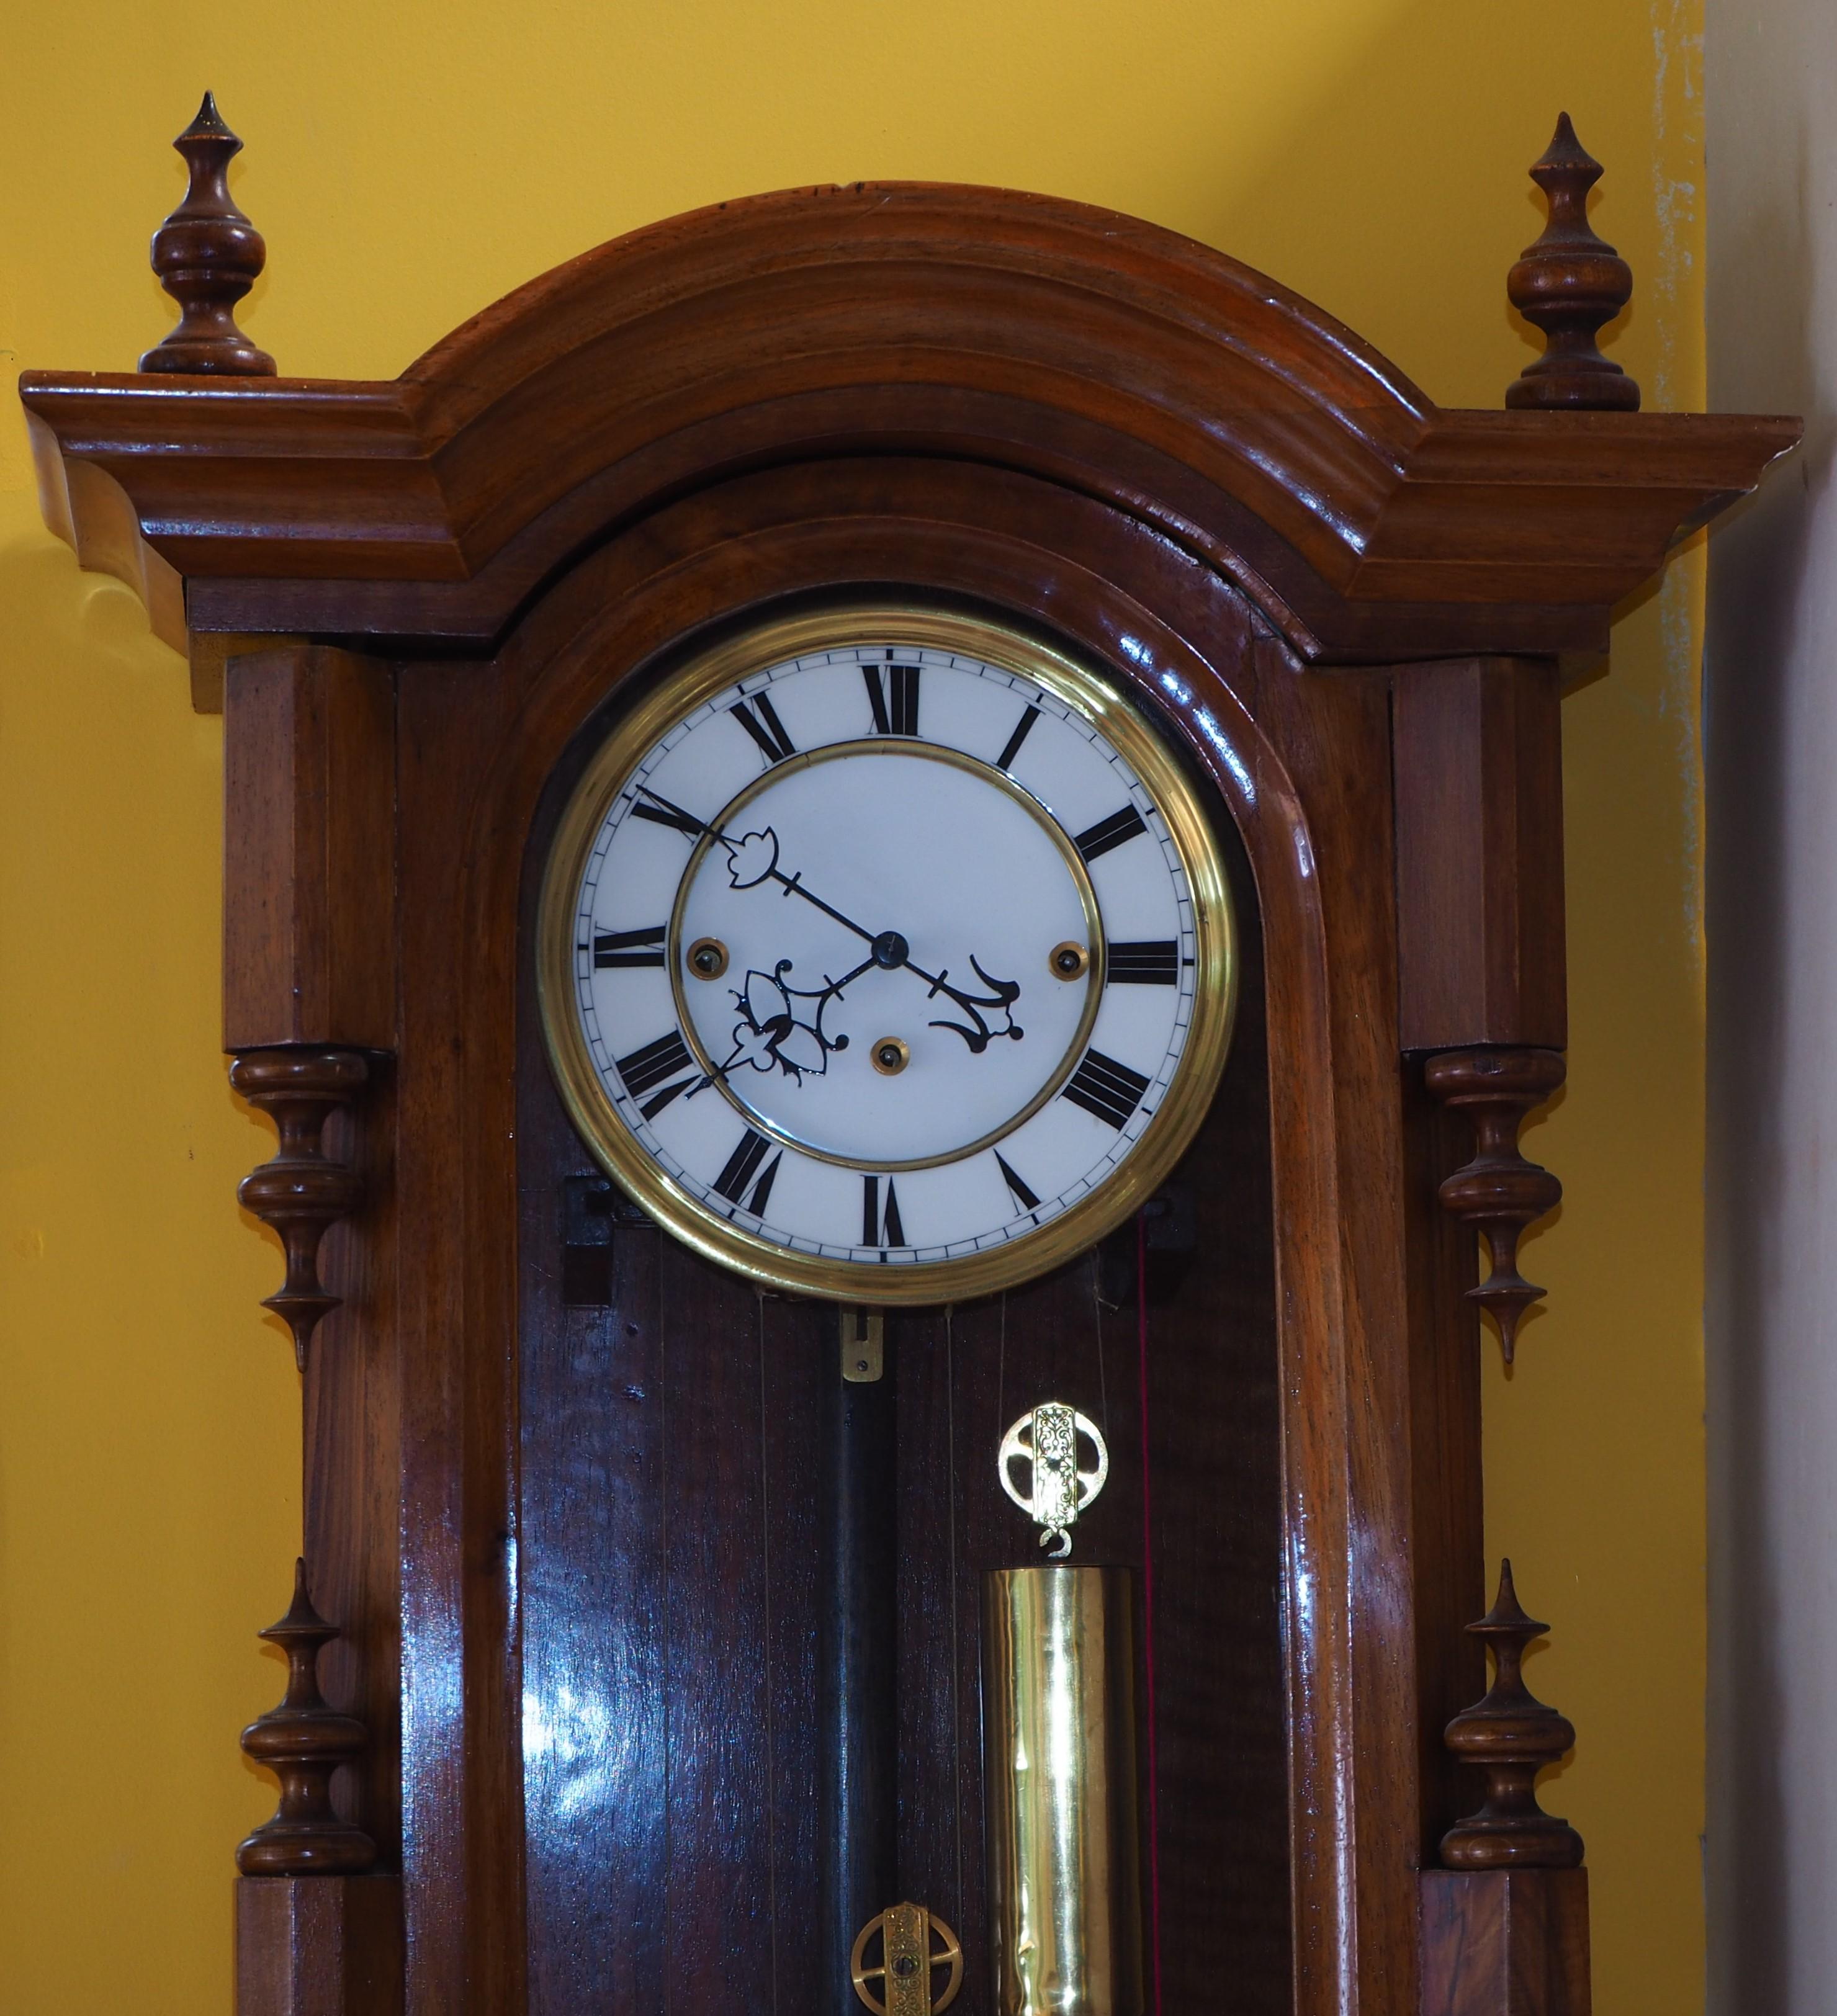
{"x":1148,"y":1608}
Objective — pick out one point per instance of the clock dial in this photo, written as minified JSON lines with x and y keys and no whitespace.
{"x":887,"y":956}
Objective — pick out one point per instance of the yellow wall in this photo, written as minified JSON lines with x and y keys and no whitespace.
{"x":409,"y":164}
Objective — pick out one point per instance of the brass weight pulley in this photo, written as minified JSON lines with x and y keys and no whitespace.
{"x":908,"y":1961}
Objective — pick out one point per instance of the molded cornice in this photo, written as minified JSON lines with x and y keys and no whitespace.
{"x":1073,"y":344}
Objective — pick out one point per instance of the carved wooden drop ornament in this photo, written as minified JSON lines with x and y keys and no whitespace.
{"x":299,"y":1193}
{"x":662,"y":1669}
{"x":208,"y":255}
{"x":1499,"y":1194}
{"x":303,"y":1742}
{"x":1510,"y":1736}
{"x":1570,"y":283}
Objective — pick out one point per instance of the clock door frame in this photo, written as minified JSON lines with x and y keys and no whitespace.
{"x":1352,"y":607}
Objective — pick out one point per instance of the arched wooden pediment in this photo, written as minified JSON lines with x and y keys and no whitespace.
{"x":1018,"y":332}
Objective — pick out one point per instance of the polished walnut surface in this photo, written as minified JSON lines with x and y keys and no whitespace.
{"x":1345,"y":608}
{"x":1091,"y":349}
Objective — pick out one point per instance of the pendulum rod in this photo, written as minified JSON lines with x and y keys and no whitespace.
{"x":856,"y":1677}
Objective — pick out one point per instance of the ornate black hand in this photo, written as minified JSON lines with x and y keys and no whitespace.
{"x":772,"y":1033}
{"x":753,"y":860}
{"x":1003,"y":994}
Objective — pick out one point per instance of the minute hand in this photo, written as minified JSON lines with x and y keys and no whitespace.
{"x":794,"y":886}
{"x":1003,"y":994}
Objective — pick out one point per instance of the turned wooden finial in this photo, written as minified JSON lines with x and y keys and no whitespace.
{"x":1511,"y":1735}
{"x":301,"y":1192}
{"x":1569,"y":283}
{"x":1498,"y":1193}
{"x":208,"y":255}
{"x":303,"y":1742}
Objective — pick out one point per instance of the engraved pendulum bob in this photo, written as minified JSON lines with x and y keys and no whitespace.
{"x":1058,"y":1650}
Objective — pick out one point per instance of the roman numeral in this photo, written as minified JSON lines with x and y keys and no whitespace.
{"x":617,"y":948}
{"x":895,"y":699}
{"x":667,"y":1058}
{"x":742,"y":1166}
{"x":1023,"y":728}
{"x":662,"y":812}
{"x":1109,"y":833}
{"x":1103,"y":1086}
{"x":876,"y":1230}
{"x":1022,"y":1195}
{"x":657,"y":1061}
{"x":1143,"y":962}
{"x":766,"y":728}
{"x":762,"y":1188}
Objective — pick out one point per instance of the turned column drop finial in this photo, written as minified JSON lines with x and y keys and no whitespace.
{"x":1570,"y":283}
{"x":303,"y":1742}
{"x":207,"y":256}
{"x":1511,"y":1735}
{"x":1498,"y":1193}
{"x":301,"y":1193}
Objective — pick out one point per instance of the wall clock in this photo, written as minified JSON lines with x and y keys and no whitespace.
{"x":886,"y":955}
{"x":838,"y":750}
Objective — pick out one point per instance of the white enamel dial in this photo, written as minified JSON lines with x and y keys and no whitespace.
{"x":881,"y":956}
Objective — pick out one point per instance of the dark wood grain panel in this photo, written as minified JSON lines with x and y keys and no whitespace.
{"x":1480,"y":822}
{"x":1505,"y":1942}
{"x":319,"y":1946}
{"x":720,"y":1874}
{"x":309,"y":867}
{"x":1447,"y":1493}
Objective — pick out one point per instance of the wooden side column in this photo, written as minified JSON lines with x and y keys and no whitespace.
{"x":309,"y":853}
{"x":1505,"y":1942}
{"x":1481,"y":975}
{"x":309,"y":1019}
{"x":1477,"y":777}
{"x":319,"y":1946}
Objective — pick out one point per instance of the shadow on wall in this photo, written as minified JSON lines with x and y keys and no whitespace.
{"x":1761,"y":349}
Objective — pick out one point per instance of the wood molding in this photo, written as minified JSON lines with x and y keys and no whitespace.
{"x":1505,"y":1942}
{"x":1249,"y":426}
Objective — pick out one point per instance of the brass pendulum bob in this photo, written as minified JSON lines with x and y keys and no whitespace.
{"x":1058,"y":1653}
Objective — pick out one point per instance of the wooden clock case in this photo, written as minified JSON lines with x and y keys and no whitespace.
{"x":1350,"y":611}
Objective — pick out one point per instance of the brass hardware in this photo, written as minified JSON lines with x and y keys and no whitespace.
{"x":863,"y":1345}
{"x":1047,"y":1441}
{"x":707,"y":959}
{"x":907,"y":1962}
{"x":1066,"y":961}
{"x":1064,"y":1858}
{"x":891,"y":1056}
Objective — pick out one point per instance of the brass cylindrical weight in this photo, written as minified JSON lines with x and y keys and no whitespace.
{"x":1058,"y":1655}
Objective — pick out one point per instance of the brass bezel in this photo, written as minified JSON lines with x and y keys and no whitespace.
{"x":1162,"y":1142}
